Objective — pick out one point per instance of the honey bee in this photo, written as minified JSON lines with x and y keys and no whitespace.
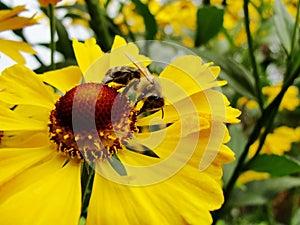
{"x":143,"y":92}
{"x":140,"y":86}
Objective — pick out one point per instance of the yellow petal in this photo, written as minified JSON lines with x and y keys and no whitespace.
{"x":10,"y":120}
{"x":196,"y":194}
{"x":7,"y":13}
{"x":13,"y":49}
{"x":53,"y":199}
{"x":117,"y":57}
{"x":20,"y":85}
{"x":24,"y":139}
{"x":33,"y":112}
{"x":10,"y":21}
{"x":209,"y":104}
{"x":16,"y":160}
{"x":86,"y":53}
{"x":29,"y":176}
{"x":119,"y":50}
{"x":134,"y":204}
{"x":190,"y":74}
{"x":63,"y":79}
{"x":118,"y":41}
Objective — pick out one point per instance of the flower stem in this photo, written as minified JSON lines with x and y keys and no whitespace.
{"x":99,"y":24}
{"x":52,"y":33}
{"x":251,"y":54}
{"x":87,"y":175}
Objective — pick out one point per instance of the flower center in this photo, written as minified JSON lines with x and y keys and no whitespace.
{"x":90,"y":122}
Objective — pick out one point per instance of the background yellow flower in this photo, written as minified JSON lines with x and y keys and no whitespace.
{"x":9,"y":20}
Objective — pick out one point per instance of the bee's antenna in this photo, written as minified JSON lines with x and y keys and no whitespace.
{"x":162,"y":112}
{"x":141,"y":68}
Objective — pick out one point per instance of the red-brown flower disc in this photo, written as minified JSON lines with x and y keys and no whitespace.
{"x":84,"y":108}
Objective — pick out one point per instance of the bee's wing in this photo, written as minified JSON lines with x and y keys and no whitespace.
{"x":141,"y":68}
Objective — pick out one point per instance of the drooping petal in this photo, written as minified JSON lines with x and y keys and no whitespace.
{"x":10,"y":120}
{"x":195,"y":193}
{"x":188,"y":73}
{"x":133,"y":205}
{"x":13,"y":49}
{"x":20,"y":85}
{"x":209,"y":104}
{"x":24,"y":139}
{"x":63,"y":79}
{"x":53,"y":198}
{"x":16,"y":160}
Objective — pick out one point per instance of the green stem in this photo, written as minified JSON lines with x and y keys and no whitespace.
{"x":52,"y":33}
{"x":99,"y":24}
{"x":87,"y":176}
{"x":251,"y":54}
{"x":268,"y":116}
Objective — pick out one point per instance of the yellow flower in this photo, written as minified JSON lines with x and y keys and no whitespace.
{"x":165,"y":15}
{"x":234,"y":18}
{"x":168,"y":16}
{"x":291,"y":6}
{"x":138,"y":172}
{"x":9,"y":20}
{"x":45,"y":3}
{"x":251,"y":175}
{"x":278,"y":142}
{"x":249,"y":103}
{"x":290,"y":100}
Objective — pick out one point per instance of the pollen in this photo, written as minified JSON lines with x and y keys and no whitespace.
{"x":90,"y":122}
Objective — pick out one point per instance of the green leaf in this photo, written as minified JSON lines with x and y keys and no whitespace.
{"x":284,"y":25}
{"x":261,"y":192}
{"x":149,"y":19}
{"x":209,"y":23}
{"x":117,"y":165}
{"x":139,"y":148}
{"x":238,"y":77}
{"x":275,"y":165}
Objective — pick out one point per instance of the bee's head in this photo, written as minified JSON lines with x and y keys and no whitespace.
{"x":152,"y":103}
